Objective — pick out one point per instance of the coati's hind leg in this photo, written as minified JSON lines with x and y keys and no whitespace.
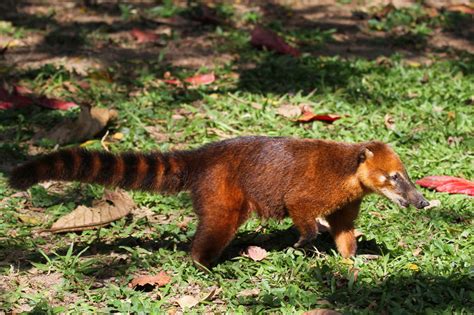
{"x":220,"y":215}
{"x":214,"y":233}
{"x":342,"y":228}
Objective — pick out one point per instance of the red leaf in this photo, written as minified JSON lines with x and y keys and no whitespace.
{"x":54,"y":103}
{"x":309,"y":116}
{"x":449,"y":184}
{"x":21,"y":90}
{"x":201,"y":79}
{"x":6,"y":105}
{"x":16,"y":99}
{"x":172,"y":81}
{"x":144,"y":36}
{"x":270,"y":40}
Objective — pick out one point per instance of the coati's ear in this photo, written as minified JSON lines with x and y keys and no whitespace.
{"x":364,"y":155}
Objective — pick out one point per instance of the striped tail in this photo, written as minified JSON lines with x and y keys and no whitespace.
{"x":159,"y":172}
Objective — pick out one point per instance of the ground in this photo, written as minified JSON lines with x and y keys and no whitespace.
{"x":403,"y":75}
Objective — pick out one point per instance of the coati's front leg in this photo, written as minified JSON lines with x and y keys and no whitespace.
{"x":342,"y":228}
{"x":305,"y":222}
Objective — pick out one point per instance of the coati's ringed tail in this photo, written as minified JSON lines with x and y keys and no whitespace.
{"x":159,"y":172}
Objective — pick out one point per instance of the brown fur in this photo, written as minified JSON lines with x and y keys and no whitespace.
{"x":228,"y":180}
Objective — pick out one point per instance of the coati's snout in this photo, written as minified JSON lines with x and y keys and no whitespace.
{"x":381,"y":171}
{"x":402,"y":191}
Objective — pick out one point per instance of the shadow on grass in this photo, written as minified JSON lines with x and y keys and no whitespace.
{"x":392,"y":293}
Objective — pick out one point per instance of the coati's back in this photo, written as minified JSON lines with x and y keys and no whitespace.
{"x":264,"y":168}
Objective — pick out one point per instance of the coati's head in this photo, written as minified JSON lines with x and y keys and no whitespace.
{"x":380,"y":170}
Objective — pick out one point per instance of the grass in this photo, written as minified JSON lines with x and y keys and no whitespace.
{"x":425,"y":262}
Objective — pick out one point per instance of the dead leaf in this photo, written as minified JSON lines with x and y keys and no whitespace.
{"x":161,"y":279}
{"x":157,"y":133}
{"x":255,"y":253}
{"x":90,"y":122}
{"x":321,"y":311}
{"x":368,"y":256}
{"x":113,"y":206}
{"x":389,"y":122}
{"x":15,"y":99}
{"x":28,"y":219}
{"x":143,"y":36}
{"x":412,"y":94}
{"x":249,"y":292}
{"x":187,"y":301}
{"x":289,"y":111}
{"x":461,"y":8}
{"x":425,"y":79}
{"x":264,"y":38}
{"x":355,"y":272}
{"x":413,"y":267}
{"x":183,"y":225}
{"x":433,"y":204}
{"x":53,"y":103}
{"x":386,"y":10}
{"x":201,"y":79}
{"x":221,"y":134}
{"x":417,"y":252}
{"x":454,"y":140}
{"x":117,"y":136}
{"x":377,"y":214}
{"x":308,"y":116}
{"x":431,"y":12}
{"x":213,"y":293}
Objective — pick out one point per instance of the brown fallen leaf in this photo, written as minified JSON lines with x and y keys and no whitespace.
{"x":201,"y":79}
{"x":389,"y":122}
{"x":212,"y":294}
{"x":321,"y":311}
{"x":355,"y":272}
{"x":386,"y":10}
{"x":144,"y":36}
{"x":156,"y":132}
{"x":187,"y":301}
{"x":113,"y":206}
{"x":289,"y":111}
{"x":161,"y":279}
{"x":90,"y":122}
{"x":461,"y":8}
{"x":369,"y":256}
{"x":255,"y":253}
{"x":308,"y":116}
{"x":416,"y":252}
{"x":249,"y":292}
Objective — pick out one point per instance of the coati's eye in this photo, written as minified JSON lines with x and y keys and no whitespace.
{"x":395,"y":177}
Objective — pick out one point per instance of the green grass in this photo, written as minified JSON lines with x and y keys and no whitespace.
{"x":426,"y":256}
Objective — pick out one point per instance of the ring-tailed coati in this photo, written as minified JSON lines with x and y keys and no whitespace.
{"x":275,"y":177}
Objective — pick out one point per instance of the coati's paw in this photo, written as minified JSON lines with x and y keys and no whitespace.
{"x":302,"y":241}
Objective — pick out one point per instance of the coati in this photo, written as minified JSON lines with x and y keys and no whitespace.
{"x":275,"y":177}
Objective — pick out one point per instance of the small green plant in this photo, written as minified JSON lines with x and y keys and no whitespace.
{"x":165,"y":10}
{"x":70,"y":265}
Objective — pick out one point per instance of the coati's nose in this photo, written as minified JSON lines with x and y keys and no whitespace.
{"x":422,"y":203}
